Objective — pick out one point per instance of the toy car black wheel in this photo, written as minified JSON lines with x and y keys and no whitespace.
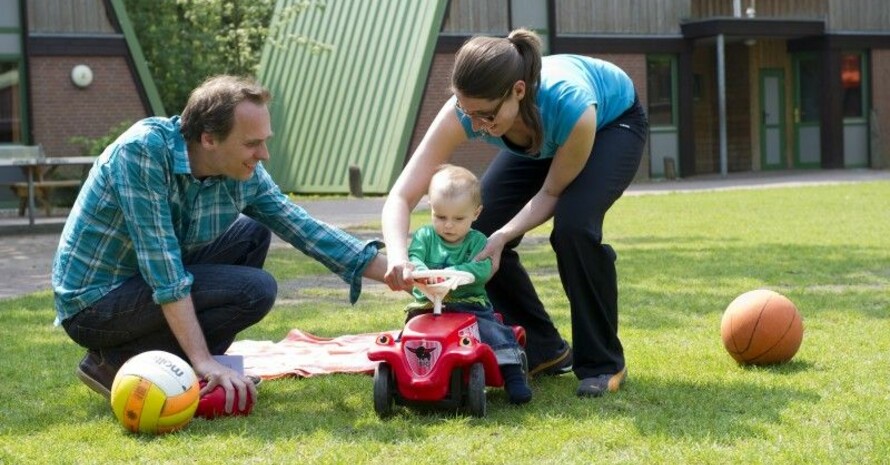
{"x":383,"y":390}
{"x":476,"y":390}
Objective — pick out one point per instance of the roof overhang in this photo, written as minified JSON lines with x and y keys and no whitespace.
{"x":753,"y":28}
{"x":843,"y":40}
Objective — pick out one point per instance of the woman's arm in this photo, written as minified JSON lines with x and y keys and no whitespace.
{"x":569,"y":160}
{"x":439,"y":142}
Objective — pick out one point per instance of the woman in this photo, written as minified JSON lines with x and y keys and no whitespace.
{"x":571,"y":132}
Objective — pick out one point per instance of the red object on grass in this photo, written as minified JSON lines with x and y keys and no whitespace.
{"x":430,"y":348}
{"x":213,"y":404}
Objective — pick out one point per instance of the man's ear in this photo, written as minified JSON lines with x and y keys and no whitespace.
{"x":207,"y":140}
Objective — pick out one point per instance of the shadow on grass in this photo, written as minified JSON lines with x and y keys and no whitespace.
{"x":341,"y":406}
{"x":668,"y":281}
{"x":787,"y":368}
{"x":715,"y":412}
{"x":718,"y":411}
{"x":725,"y":412}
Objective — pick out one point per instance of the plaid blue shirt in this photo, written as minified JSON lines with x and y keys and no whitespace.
{"x":140,"y":211}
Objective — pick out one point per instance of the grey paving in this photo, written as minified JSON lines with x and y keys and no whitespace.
{"x":26,"y":252}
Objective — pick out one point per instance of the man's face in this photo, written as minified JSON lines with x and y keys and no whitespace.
{"x":238,"y":154}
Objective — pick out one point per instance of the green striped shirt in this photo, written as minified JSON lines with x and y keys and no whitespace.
{"x":140,"y":211}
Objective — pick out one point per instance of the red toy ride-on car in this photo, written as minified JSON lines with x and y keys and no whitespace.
{"x":438,"y":359}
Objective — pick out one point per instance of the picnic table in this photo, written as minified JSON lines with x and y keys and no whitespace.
{"x":36,"y":166}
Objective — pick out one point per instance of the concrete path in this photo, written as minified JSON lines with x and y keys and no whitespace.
{"x":26,"y":252}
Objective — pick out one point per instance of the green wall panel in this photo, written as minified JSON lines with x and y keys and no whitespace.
{"x":355,"y":104}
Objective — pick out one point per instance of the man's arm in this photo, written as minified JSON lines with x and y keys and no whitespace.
{"x":339,"y":251}
{"x":184,"y":324}
{"x":377,"y":268}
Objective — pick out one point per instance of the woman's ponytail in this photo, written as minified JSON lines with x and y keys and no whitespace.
{"x":528,"y":45}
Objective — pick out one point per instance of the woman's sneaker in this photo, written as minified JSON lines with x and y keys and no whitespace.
{"x":600,"y":384}
{"x":559,"y":364}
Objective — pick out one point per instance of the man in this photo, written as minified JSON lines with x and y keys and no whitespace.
{"x":165,"y":245}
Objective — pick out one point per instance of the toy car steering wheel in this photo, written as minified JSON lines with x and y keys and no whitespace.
{"x":450,"y":279}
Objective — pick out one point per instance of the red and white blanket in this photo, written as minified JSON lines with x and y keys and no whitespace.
{"x":304,"y":355}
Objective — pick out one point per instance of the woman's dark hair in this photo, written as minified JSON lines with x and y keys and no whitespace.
{"x":211,"y":106}
{"x":487,"y":67}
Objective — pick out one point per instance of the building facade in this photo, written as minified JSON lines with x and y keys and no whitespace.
{"x":68,"y":70}
{"x":729,"y":85}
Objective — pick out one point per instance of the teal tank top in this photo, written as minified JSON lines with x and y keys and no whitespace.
{"x":570,"y":84}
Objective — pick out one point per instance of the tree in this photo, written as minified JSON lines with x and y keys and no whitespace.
{"x":187,"y":41}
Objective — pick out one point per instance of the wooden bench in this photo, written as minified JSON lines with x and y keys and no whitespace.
{"x":36,"y":166}
{"x":42,"y":192}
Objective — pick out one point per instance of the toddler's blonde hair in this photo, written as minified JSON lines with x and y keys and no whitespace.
{"x":452,"y":181}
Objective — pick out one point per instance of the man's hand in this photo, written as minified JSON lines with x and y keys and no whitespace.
{"x":216,"y":374}
{"x":183,"y":321}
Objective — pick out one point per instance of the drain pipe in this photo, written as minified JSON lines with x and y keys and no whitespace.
{"x":721,"y":102}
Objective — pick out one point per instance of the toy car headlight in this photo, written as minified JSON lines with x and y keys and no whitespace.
{"x":384,"y":340}
{"x":465,"y":341}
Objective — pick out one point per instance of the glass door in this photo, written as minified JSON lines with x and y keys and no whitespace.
{"x":772,"y":123}
{"x":807,"y":105}
{"x":661,"y":82}
{"x":855,"y":107}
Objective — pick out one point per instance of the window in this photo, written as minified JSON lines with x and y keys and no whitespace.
{"x":10,"y":103}
{"x":660,"y":87}
{"x":851,"y":82}
{"x":11,"y":79}
{"x":809,"y":88}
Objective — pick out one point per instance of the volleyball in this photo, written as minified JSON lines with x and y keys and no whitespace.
{"x":155,"y":392}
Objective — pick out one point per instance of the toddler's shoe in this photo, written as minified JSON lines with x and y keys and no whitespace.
{"x":516,"y":384}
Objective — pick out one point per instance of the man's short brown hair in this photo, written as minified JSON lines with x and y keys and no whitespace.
{"x":211,"y":106}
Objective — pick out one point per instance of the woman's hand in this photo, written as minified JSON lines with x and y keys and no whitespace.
{"x":398,"y":276}
{"x":493,"y":249}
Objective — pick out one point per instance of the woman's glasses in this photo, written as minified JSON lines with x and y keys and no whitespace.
{"x":485,"y":117}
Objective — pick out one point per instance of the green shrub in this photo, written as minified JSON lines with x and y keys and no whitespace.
{"x":90,"y":146}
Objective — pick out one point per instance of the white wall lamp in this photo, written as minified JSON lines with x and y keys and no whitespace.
{"x":81,"y":76}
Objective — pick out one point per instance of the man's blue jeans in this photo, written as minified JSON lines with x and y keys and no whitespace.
{"x":230,"y":293}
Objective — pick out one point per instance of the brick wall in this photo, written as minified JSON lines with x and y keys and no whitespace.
{"x":706,"y":119}
{"x":704,"y":112}
{"x":738,"y":106}
{"x":60,"y":110}
{"x":476,"y":155}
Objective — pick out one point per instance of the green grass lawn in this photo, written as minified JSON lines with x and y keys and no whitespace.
{"x":682,"y":259}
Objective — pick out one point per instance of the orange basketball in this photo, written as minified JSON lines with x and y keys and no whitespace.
{"x":761,"y":327}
